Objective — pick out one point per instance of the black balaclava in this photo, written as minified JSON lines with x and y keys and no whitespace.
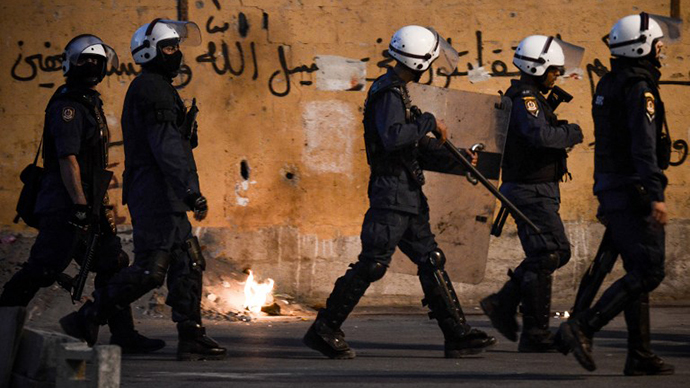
{"x":167,"y":65}
{"x":88,"y":74}
{"x":651,"y":57}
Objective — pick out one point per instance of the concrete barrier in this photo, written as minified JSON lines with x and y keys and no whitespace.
{"x":79,"y":366}
{"x":35,"y":361}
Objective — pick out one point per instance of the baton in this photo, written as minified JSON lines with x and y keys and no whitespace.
{"x":489,"y":186}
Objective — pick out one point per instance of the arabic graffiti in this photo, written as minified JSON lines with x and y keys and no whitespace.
{"x":27,"y":68}
{"x":237,"y":57}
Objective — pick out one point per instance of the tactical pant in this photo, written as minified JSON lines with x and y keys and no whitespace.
{"x":382,"y":231}
{"x":160,"y":250}
{"x":56,"y":245}
{"x":544,"y":253}
{"x":641,"y":244}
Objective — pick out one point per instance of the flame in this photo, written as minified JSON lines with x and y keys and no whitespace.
{"x":562,"y":315}
{"x":255,"y":293}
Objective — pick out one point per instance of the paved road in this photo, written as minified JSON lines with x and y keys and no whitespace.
{"x":397,"y":350}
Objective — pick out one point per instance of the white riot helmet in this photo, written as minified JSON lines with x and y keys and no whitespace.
{"x":87,"y":44}
{"x":536,"y":53}
{"x":144,"y":45}
{"x":634,"y":36}
{"x":417,"y":47}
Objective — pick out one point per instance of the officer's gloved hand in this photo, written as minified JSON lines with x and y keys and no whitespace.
{"x":198,"y":204}
{"x":80,"y":217}
{"x":575,"y":133}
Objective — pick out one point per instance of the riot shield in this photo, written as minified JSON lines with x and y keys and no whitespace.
{"x":461,"y":212}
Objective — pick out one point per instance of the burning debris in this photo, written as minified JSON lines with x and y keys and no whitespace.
{"x":256,"y":294}
{"x":234,"y":295}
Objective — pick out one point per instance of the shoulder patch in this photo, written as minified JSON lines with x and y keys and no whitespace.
{"x":650,"y":107}
{"x":531,"y":105}
{"x":68,"y":114}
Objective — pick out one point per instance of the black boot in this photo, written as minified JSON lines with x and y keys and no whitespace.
{"x":82,"y":324}
{"x":195,"y":345}
{"x":641,"y":360}
{"x":536,"y":312}
{"x":440,"y":297}
{"x":501,"y":307}
{"x":325,"y":335}
{"x":578,"y":331}
{"x":329,"y":342}
{"x":579,"y":342}
{"x":123,"y":334}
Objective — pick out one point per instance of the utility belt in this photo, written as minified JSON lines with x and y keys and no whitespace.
{"x":632,"y":197}
{"x":388,"y":168}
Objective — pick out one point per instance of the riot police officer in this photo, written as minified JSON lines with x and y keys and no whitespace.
{"x":398,"y":149}
{"x":75,"y":139}
{"x":534,"y":163}
{"x":160,"y":185}
{"x":629,"y":183}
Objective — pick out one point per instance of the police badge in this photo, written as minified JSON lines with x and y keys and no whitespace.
{"x":67,"y":114}
{"x":649,"y":105}
{"x":531,"y":106}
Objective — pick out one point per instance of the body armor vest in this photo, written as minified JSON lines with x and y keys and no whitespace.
{"x":612,"y":153}
{"x":94,"y":156}
{"x":382,"y":162}
{"x":523,"y":163}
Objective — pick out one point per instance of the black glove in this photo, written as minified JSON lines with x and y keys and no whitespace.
{"x":81,"y":217}
{"x":576,"y":132}
{"x":198,"y":204}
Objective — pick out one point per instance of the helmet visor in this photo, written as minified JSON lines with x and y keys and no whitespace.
{"x":448,"y":58}
{"x":189,"y":32}
{"x":82,"y":44}
{"x":670,"y":26}
{"x":572,"y":56}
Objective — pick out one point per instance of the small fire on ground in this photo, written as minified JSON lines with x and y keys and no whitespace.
{"x":562,"y":315}
{"x":256,"y":294}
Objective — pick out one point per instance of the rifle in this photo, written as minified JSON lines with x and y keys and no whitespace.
{"x":75,"y":286}
{"x":489,"y":186}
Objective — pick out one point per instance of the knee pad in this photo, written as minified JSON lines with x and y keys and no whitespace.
{"x":122,"y":260}
{"x":564,"y":257}
{"x":157,"y":268}
{"x":371,"y":271}
{"x":437,"y":258}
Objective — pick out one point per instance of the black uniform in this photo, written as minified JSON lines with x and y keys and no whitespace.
{"x":74,"y":125}
{"x":628,"y":159}
{"x":398,"y":150}
{"x":159,"y":173}
{"x":533,"y":164}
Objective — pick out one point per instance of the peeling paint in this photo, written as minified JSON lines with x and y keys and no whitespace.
{"x":241,"y":189}
{"x":478,"y":74}
{"x":340,"y":73}
{"x":329,"y":131}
